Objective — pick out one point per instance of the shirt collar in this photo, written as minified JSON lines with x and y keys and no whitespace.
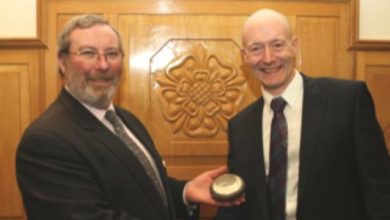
{"x":98,"y":113}
{"x":290,"y":94}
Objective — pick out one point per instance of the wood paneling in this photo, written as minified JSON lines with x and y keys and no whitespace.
{"x":21,"y":101}
{"x":314,"y":33}
{"x":14,"y":102}
{"x":191,"y":81}
{"x":323,"y":43}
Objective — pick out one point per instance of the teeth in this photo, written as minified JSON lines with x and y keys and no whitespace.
{"x":101,"y":79}
{"x":271,"y":70}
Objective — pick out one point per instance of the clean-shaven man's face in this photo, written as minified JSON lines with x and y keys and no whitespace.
{"x":270,"y":50}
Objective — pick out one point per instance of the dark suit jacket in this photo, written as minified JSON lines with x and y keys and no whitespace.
{"x":71,"y":167}
{"x":344,"y":169}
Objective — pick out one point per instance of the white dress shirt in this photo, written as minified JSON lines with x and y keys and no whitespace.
{"x":293,"y":95}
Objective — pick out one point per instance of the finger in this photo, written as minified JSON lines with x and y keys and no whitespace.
{"x":228,"y":204}
{"x":218,"y":171}
{"x":234,"y":202}
{"x":238,"y":202}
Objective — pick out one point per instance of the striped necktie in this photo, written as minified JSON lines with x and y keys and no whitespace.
{"x":113,"y":118}
{"x":277,"y":176}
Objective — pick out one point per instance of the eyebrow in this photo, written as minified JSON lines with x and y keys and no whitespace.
{"x":271,"y":41}
{"x":94,"y":48}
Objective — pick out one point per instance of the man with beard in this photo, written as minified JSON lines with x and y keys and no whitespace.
{"x":308,"y":149}
{"x":86,"y":159}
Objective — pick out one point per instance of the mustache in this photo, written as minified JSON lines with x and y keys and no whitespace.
{"x":101,"y":76}
{"x":270,"y":66}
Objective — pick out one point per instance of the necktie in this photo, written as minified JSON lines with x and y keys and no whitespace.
{"x":113,"y":118}
{"x":278,"y":161}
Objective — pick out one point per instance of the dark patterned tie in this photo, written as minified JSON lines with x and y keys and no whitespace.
{"x":278,"y":161}
{"x":152,"y":173}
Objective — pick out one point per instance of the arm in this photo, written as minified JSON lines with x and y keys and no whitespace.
{"x":56,"y":183}
{"x":372,"y":157}
{"x":183,"y":211}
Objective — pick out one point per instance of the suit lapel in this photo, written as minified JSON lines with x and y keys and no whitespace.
{"x":144,"y":179}
{"x":314,"y":103}
{"x":117,"y":147}
{"x":114,"y":145}
{"x":121,"y":151}
{"x":255,"y":133}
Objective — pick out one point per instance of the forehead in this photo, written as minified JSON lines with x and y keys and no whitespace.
{"x":99,"y":36}
{"x":265,"y":31}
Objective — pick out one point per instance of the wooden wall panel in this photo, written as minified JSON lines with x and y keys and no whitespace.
{"x":162,"y":46}
{"x":14,"y":102}
{"x":314,"y":33}
{"x":324,"y":46}
{"x":21,"y":100}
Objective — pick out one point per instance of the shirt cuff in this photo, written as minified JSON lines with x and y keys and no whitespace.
{"x":191,"y":208}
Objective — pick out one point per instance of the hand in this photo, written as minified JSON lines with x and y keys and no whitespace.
{"x":198,"y":189}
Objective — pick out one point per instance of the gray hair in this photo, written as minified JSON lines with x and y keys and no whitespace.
{"x":83,"y":22}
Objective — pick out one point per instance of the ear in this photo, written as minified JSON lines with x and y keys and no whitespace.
{"x":61,"y":64}
{"x":295,"y":44}
{"x":244,"y":55}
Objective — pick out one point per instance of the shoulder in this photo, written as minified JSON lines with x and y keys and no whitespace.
{"x":247,"y":114}
{"x":331,"y":81}
{"x":334,"y":86}
{"x":52,"y":119}
{"x":48,"y":133}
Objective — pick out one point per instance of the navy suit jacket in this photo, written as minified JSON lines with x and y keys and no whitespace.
{"x":71,"y":167}
{"x":344,"y":171}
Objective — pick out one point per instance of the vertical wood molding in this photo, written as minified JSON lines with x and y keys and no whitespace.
{"x":15,"y":102}
{"x":21,"y":101}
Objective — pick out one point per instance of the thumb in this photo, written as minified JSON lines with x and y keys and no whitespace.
{"x":218,"y":171}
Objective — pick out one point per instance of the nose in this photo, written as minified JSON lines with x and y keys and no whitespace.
{"x":102,"y":62}
{"x":269,"y":55}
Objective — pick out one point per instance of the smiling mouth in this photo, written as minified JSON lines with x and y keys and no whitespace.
{"x":104,"y":82}
{"x":271,"y":69}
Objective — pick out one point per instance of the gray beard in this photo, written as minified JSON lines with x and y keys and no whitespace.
{"x":87,"y":96}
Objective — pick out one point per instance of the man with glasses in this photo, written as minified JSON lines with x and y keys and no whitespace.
{"x":84,"y":158}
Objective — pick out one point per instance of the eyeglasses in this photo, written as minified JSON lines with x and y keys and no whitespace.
{"x":92,"y":55}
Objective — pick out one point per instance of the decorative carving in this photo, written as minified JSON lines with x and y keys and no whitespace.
{"x":199,"y":92}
